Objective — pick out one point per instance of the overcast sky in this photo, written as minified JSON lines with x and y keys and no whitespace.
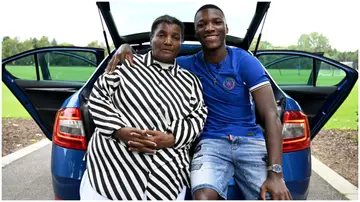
{"x":78,"y":22}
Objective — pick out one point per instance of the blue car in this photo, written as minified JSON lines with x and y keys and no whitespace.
{"x":54,"y":83}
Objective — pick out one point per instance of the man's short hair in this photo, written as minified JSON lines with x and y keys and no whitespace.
{"x":169,"y":20}
{"x":207,"y":6}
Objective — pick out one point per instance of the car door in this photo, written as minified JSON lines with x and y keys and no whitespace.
{"x":42,"y":79}
{"x":318,"y":84}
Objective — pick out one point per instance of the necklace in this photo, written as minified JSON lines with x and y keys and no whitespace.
{"x":208,"y":70}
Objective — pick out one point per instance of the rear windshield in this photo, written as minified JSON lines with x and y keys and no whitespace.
{"x":137,"y":16}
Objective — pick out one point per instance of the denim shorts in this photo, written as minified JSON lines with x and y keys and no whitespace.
{"x":216,"y":161}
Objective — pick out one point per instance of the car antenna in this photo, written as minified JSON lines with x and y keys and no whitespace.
{"x":259,"y":38}
{"x":106,"y":41}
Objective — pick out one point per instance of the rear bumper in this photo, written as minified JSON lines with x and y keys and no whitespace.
{"x":297,"y":172}
{"x":67,"y":168}
{"x":66,"y":188}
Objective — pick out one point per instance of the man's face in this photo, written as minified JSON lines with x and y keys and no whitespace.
{"x":165,"y":42}
{"x":210,"y":28}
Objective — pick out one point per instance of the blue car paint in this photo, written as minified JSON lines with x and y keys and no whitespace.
{"x":67,"y":167}
{"x":66,"y":188}
{"x":73,"y":101}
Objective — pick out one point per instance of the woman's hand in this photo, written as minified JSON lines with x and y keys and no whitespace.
{"x":136,"y":140}
{"x":161,"y":139}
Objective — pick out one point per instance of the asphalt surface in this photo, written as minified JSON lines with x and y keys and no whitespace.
{"x":29,"y":178}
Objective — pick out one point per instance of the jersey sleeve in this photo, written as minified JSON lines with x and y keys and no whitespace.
{"x":252,"y":73}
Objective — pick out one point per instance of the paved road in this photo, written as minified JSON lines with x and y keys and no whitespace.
{"x":29,"y":178}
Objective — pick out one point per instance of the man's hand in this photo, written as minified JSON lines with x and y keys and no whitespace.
{"x":143,"y":144}
{"x":276,"y":186}
{"x":161,"y":139}
{"x":123,"y":52}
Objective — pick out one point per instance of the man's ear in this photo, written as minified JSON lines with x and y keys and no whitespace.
{"x":196,"y":35}
{"x":227,"y":29}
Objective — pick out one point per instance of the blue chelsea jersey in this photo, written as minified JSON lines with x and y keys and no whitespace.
{"x":227,"y":92}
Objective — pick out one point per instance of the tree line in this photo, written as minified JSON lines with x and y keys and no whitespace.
{"x":313,"y":42}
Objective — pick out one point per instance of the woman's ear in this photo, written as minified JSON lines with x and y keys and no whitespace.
{"x":151,"y":40}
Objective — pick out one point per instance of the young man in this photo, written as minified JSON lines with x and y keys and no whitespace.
{"x":232,"y":144}
{"x":157,"y":99}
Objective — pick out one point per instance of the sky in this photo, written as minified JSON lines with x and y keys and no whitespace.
{"x":78,"y":22}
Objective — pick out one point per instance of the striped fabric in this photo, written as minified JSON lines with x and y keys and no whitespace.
{"x":146,"y":96}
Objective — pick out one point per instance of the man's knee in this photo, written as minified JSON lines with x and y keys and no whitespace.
{"x":206,"y":194}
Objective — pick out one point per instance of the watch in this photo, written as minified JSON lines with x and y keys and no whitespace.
{"x":275,"y":168}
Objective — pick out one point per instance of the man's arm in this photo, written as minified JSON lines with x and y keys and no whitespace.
{"x":253,"y":74}
{"x":266,"y":107}
{"x":125,"y":51}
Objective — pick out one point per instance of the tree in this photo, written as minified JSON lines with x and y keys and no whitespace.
{"x":94,"y":44}
{"x":25,"y":46}
{"x":53,"y":43}
{"x":34,"y":42}
{"x":314,"y":42}
{"x":43,"y":42}
{"x":263,"y":45}
{"x":9,"y":47}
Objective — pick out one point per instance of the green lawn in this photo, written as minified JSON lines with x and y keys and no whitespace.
{"x":289,"y":76}
{"x":71,"y":73}
{"x":345,"y":117}
{"x":11,"y":107}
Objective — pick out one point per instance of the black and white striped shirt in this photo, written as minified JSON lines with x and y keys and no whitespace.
{"x":146,"y":96}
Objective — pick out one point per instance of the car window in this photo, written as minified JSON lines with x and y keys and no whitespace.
{"x":288,"y":69}
{"x":128,"y":21}
{"x":329,"y":75}
{"x":23,"y":68}
{"x":54,"y":65}
{"x":296,"y":69}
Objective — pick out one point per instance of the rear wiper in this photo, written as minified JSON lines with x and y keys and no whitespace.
{"x":259,"y":38}
{"x":106,"y":41}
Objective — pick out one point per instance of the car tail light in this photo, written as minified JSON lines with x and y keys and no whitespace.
{"x":57,"y":198}
{"x":296,"y":132}
{"x":68,"y":129}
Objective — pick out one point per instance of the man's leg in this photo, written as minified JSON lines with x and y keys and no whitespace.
{"x":211,"y":169}
{"x":250,"y":161}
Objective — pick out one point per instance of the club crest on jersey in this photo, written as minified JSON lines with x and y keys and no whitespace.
{"x":229,"y":83}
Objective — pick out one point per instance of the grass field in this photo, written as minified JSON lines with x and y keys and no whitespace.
{"x":11,"y":107}
{"x":344,"y":118}
{"x":70,"y":73}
